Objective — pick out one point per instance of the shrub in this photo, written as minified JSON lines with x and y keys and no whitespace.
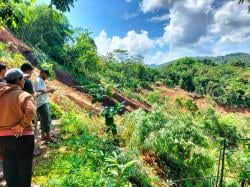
{"x":55,"y":111}
{"x":13,"y":59}
{"x":154,"y":97}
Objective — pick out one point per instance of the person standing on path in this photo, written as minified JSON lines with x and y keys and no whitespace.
{"x":27,"y":69}
{"x":16,"y":131}
{"x":42,"y":103}
{"x":2,"y":72}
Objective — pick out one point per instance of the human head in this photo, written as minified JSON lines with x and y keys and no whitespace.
{"x":2,"y":70}
{"x":27,"y":68}
{"x":15,"y":76}
{"x":44,"y":74}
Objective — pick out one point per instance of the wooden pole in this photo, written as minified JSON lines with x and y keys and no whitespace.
{"x":222,"y":163}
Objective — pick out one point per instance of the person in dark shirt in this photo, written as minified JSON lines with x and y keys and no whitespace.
{"x":27,"y":69}
{"x":2,"y":72}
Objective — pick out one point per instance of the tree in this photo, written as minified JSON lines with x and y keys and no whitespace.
{"x":44,"y":28}
{"x":63,"y":5}
{"x":239,"y":64}
{"x":82,"y":53}
{"x":244,"y":1}
{"x":11,"y":16}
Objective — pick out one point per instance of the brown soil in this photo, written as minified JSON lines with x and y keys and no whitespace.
{"x":7,"y":37}
{"x":132,"y":104}
{"x":150,"y":158}
{"x":201,"y":101}
{"x":79,"y":98}
{"x":71,"y":88}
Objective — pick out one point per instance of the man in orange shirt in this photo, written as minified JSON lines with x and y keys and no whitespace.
{"x":16,"y":132}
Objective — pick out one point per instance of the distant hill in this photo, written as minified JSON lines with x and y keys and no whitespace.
{"x":234,"y":57}
{"x":153,"y":66}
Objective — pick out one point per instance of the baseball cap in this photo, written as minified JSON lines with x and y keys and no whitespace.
{"x":13,"y":74}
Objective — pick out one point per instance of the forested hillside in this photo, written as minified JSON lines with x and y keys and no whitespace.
{"x":242,"y":59}
{"x":116,"y":126}
{"x":227,"y":84}
{"x":237,"y":59}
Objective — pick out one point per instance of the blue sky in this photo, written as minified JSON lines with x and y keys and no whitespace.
{"x":117,"y":17}
{"x":163,"y":30}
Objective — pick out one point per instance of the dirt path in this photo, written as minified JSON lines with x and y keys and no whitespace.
{"x":201,"y":101}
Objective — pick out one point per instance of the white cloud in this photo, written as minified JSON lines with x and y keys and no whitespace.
{"x":193,"y":28}
{"x":189,"y":21}
{"x":127,"y":15}
{"x":128,"y":1}
{"x":161,"y":57}
{"x":135,"y":43}
{"x":103,"y":43}
{"x":231,"y":27}
{"x":157,"y":19}
{"x":139,"y":43}
{"x":197,"y":28}
{"x":152,"y":5}
{"x":230,"y":17}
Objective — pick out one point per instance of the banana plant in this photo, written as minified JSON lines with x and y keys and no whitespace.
{"x":118,"y":168}
{"x":109,"y":112}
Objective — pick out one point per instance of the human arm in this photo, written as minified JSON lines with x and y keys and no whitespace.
{"x":40,"y":87}
{"x":49,"y":90}
{"x":29,"y":108}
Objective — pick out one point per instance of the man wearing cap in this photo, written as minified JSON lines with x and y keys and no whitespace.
{"x":42,"y":103}
{"x":16,"y":132}
{"x":2,"y":72}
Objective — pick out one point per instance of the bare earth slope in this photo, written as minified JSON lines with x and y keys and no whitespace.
{"x":201,"y":101}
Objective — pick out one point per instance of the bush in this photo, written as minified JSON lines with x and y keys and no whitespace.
{"x":83,"y":159}
{"x":55,"y":111}
{"x":154,"y":97}
{"x":226,"y":84}
{"x":186,"y":143}
{"x":13,"y":59}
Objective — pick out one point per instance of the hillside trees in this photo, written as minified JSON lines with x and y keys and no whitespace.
{"x":227,"y":84}
{"x":81,"y":54}
{"x":11,"y":16}
{"x":46,"y":29}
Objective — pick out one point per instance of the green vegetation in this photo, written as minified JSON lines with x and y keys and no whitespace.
{"x":225,"y":83}
{"x":242,"y":58}
{"x":10,"y":55}
{"x":183,"y":139}
{"x":187,"y":143}
{"x":12,"y":15}
{"x":109,"y":114}
{"x":56,"y":111}
{"x":44,"y":28}
{"x":83,"y":159}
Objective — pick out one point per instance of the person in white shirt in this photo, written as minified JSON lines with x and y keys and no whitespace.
{"x":42,"y":103}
